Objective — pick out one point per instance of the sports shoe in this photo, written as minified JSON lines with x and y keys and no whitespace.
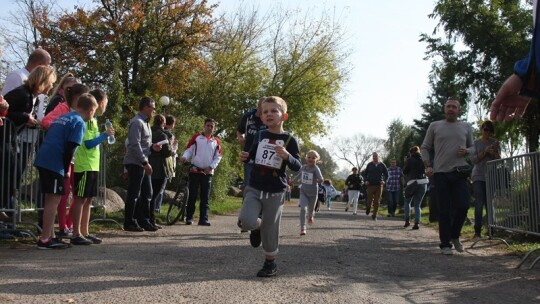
{"x":94,"y":239}
{"x":477,"y":237}
{"x":64,"y":234}
{"x":133,"y":228}
{"x":407,"y":224}
{"x":303,"y":232}
{"x":189,"y":222}
{"x":204,"y":224}
{"x":367,"y":211}
{"x":346,"y":208}
{"x":329,"y":208}
{"x":374,"y":217}
{"x":80,"y":240}
{"x":255,"y":238}
{"x":52,"y":244}
{"x":415,"y":227}
{"x":457,"y":244}
{"x":354,"y":213}
{"x":447,"y":251}
{"x":269,"y":270}
{"x":149,"y":227}
{"x":310,"y":220}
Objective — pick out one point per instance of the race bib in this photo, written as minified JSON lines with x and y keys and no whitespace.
{"x":267,"y":156}
{"x":307,"y":178}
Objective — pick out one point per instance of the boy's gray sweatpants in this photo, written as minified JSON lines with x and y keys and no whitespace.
{"x":306,"y":202}
{"x":271,"y":205}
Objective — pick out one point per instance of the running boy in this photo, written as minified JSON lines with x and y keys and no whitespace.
{"x":273,"y":150}
{"x":310,"y":177}
{"x":53,"y":159}
{"x":86,"y":171}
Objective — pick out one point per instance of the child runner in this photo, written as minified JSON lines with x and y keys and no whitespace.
{"x":310,"y":176}
{"x":87,"y":159}
{"x":272,"y":151}
{"x":53,"y":159}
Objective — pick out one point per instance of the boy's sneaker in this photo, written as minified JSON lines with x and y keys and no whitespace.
{"x":65,"y":234}
{"x":303,"y":232}
{"x":52,"y":244}
{"x":94,"y":239}
{"x":447,"y":251}
{"x":255,"y":238}
{"x":457,"y":244}
{"x":80,"y":240}
{"x":269,"y":270}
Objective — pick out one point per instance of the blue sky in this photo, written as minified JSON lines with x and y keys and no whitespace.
{"x":389,"y":77}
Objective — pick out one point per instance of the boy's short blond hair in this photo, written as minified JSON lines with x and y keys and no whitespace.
{"x":277,"y":100}
{"x":87,"y":102}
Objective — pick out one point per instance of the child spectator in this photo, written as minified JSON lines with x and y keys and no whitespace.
{"x":272,"y":152}
{"x":65,"y":134}
{"x":321,"y":196}
{"x":310,"y":177}
{"x":59,"y":92}
{"x":330,"y":192}
{"x":65,"y":223}
{"x":86,"y":169}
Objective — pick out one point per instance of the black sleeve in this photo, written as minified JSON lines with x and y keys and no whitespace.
{"x":71,"y":147}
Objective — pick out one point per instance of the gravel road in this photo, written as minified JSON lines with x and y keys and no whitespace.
{"x":342,"y":259}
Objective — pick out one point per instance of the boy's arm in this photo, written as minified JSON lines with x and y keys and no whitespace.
{"x":89,"y":144}
{"x":71,"y":147}
{"x":294,"y":162}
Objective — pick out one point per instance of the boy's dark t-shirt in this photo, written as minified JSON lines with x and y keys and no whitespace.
{"x":266,"y":175}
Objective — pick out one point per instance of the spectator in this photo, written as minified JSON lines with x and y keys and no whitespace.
{"x":393,"y":187}
{"x":450,"y":139}
{"x":170,"y":122}
{"x":58,"y":93}
{"x":204,"y":151}
{"x":514,"y":95}
{"x":330,"y":192}
{"x":139,"y":170}
{"x":354,"y":186}
{"x":52,"y":161}
{"x":17,"y":77}
{"x":86,"y":169}
{"x":161,"y":168}
{"x":65,"y":223}
{"x":414,"y":171}
{"x":375,"y":176}
{"x":486,"y":148}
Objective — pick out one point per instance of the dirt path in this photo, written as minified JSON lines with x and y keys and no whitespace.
{"x":342,"y":259}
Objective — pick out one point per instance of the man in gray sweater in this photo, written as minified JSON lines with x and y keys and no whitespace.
{"x":139,"y":193}
{"x":449,"y":140}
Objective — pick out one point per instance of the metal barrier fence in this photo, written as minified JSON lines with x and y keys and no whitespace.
{"x":513,"y":196}
{"x":19,"y":180}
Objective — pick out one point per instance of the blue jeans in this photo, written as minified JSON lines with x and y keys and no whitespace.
{"x":479,"y":192}
{"x":453,"y":198}
{"x":202,"y":182}
{"x":416,"y":201}
{"x":139,"y":194}
{"x":392,"y":198}
{"x":159,"y":196}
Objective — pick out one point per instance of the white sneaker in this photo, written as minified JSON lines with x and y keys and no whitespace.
{"x":447,"y":251}
{"x":329,"y":209}
{"x":457,"y":244}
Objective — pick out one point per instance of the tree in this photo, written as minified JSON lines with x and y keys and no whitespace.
{"x":327,"y":165}
{"x":397,"y":135}
{"x":291,"y":56}
{"x":150,"y":45}
{"x":357,"y":150}
{"x":490,"y":36}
